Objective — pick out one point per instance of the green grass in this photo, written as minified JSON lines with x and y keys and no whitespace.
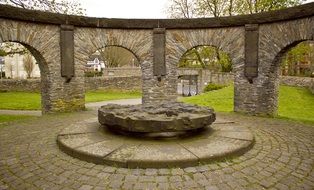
{"x":7,"y":118}
{"x":100,"y":95}
{"x":221,"y":100}
{"x":31,"y":100}
{"x":295,"y":103}
{"x":20,"y":100}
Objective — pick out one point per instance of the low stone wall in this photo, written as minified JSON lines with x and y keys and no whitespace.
{"x":122,"y":72}
{"x":135,"y":82}
{"x":123,"y":83}
{"x":23,"y":85}
{"x":91,"y":83}
{"x":297,"y":81}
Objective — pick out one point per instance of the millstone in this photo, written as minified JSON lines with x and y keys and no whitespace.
{"x":160,"y":117}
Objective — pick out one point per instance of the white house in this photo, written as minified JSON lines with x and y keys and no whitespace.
{"x":95,"y":63}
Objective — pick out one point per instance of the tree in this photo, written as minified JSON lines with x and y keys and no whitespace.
{"x":28,"y":65}
{"x":71,"y":7}
{"x":257,"y":6}
{"x":299,"y":60}
{"x":57,"y":6}
{"x":217,"y":8}
{"x":181,"y":9}
{"x":115,"y":56}
{"x":206,"y":57}
{"x":11,"y":48}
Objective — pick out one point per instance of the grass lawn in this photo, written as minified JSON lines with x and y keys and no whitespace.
{"x":221,"y":100}
{"x":101,"y":95}
{"x":31,"y":100}
{"x":294,"y":102}
{"x":20,"y":100}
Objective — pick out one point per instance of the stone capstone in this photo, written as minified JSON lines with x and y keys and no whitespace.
{"x":159,"y":117}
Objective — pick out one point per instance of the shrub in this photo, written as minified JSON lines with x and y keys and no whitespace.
{"x":93,"y":74}
{"x":212,"y":86}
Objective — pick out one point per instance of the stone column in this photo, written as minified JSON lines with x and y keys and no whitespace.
{"x":67,"y":89}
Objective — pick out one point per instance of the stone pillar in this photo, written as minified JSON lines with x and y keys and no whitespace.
{"x":162,"y":84}
{"x":67,"y":83}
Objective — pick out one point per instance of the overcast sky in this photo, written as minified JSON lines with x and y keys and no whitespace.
{"x":127,"y":8}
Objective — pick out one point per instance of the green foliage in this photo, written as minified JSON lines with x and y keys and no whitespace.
{"x":2,"y":52}
{"x":93,"y":74}
{"x":218,"y":8}
{"x":206,"y":57}
{"x":301,"y":54}
{"x":212,"y":86}
{"x":295,"y":103}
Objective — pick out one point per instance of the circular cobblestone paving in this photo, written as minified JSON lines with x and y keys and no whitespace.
{"x":90,"y":141}
{"x":282,"y":158}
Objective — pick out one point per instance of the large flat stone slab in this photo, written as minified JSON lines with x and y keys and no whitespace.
{"x":161,"y":117}
{"x":98,"y":145}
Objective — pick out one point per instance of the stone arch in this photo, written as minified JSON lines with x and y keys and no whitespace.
{"x":34,"y":38}
{"x":274,"y":40}
{"x":88,"y":41}
{"x":139,"y":42}
{"x":136,"y":56}
{"x":229,"y":40}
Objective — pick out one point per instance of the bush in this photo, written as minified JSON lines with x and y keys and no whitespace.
{"x":212,"y":86}
{"x":93,"y":74}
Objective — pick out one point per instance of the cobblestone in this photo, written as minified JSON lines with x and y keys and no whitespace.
{"x":282,"y":158}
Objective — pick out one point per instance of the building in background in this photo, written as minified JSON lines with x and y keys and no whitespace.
{"x":95,"y":63}
{"x":14,"y":67}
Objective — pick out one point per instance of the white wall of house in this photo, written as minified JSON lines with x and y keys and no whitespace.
{"x":13,"y":66}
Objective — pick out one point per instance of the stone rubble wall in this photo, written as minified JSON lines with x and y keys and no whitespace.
{"x":91,"y":83}
{"x":121,"y":83}
{"x":296,"y":81}
{"x":135,"y":82}
{"x":122,"y":72}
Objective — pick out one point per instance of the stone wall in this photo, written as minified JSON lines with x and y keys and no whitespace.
{"x":312,"y":87}
{"x":91,"y":83}
{"x":274,"y":33}
{"x":123,"y":83}
{"x":297,"y":81}
{"x":23,"y":85}
{"x":122,"y":72}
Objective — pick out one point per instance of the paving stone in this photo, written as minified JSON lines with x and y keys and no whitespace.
{"x":43,"y":165}
{"x":175,"y":178}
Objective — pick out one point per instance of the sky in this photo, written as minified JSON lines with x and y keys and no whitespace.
{"x":125,"y":8}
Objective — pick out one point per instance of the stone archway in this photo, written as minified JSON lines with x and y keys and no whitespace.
{"x":139,"y":43}
{"x":30,"y":37}
{"x":228,"y":40}
{"x":275,"y":39}
{"x":42,"y":40}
